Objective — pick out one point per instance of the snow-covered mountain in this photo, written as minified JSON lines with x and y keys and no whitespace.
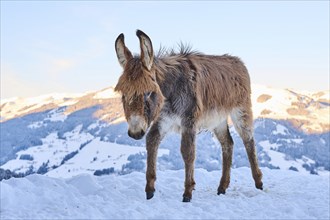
{"x":18,"y":107}
{"x":63,"y":135}
{"x":305,"y":110}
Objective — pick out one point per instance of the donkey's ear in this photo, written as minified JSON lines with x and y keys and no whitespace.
{"x":147,"y":53}
{"x":123,"y":53}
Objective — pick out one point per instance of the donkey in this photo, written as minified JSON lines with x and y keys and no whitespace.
{"x":185,"y":92}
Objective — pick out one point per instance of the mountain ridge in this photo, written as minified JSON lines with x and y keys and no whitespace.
{"x":50,"y":135}
{"x":307,"y":111}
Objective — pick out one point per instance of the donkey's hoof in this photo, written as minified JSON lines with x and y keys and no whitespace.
{"x":186,"y":199}
{"x":150,"y":195}
{"x":221,"y":191}
{"x":259,"y":186}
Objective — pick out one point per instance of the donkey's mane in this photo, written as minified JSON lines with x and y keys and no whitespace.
{"x":182,"y":49}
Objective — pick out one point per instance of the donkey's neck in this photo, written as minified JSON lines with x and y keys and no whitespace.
{"x":162,"y":80}
{"x":167,"y":75}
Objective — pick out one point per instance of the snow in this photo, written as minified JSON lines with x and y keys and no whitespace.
{"x":297,"y":140}
{"x":53,"y":115}
{"x":67,"y":103}
{"x":18,"y":106}
{"x":36,"y":124}
{"x":118,"y":120}
{"x":99,"y":155}
{"x":323,"y":141}
{"x":278,"y":103}
{"x":56,"y":115}
{"x":70,"y":191}
{"x":93,"y":126}
{"x":95,"y":155}
{"x":286,"y":195}
{"x":280,"y":129}
{"x":314,"y":110}
{"x":52,"y":151}
{"x":284,"y":99}
{"x":279,"y":160}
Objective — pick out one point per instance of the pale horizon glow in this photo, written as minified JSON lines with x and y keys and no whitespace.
{"x":68,"y":47}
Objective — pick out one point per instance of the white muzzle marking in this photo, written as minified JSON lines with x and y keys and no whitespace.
{"x":136,"y":123}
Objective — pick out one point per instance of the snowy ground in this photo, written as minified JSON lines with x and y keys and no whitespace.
{"x":286,"y":195}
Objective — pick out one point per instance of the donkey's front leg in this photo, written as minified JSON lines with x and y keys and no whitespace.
{"x":188,"y":154}
{"x":153,"y":141}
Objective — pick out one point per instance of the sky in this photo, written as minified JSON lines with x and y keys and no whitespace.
{"x":68,"y":46}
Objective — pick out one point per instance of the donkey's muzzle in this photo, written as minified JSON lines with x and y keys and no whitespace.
{"x":136,"y":127}
{"x":137,"y":135}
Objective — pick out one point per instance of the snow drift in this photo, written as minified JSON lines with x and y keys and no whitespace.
{"x":286,"y":195}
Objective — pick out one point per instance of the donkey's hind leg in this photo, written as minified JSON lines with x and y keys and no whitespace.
{"x":226,"y":141}
{"x":243,"y":122}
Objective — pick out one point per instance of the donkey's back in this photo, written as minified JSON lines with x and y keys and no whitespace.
{"x":223,"y":80}
{"x":210,"y":86}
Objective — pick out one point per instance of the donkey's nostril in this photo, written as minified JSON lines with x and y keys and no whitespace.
{"x":136,"y":136}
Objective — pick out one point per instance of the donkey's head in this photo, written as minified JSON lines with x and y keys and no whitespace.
{"x":141,"y":96}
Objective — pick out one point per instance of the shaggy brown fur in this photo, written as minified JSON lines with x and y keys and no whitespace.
{"x":186,"y":92}
{"x":216,"y":77}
